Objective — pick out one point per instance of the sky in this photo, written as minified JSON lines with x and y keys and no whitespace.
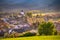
{"x":31,"y":4}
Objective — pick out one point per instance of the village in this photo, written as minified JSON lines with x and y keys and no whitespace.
{"x":22,"y":22}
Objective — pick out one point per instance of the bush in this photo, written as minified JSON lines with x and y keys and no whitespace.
{"x":1,"y":33}
{"x":29,"y":34}
{"x":55,"y":33}
{"x":46,"y":28}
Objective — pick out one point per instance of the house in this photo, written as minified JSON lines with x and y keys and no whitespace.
{"x":57,"y":26}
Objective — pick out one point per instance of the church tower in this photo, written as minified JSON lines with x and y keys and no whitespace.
{"x":22,"y":13}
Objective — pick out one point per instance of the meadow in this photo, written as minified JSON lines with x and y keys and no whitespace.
{"x":34,"y":38}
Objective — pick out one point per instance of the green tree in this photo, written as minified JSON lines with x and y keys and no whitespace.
{"x":29,"y":14}
{"x":46,"y":28}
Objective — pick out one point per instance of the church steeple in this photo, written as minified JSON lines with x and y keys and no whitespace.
{"x":22,"y":13}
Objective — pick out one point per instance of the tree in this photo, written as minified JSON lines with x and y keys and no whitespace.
{"x":29,"y":14}
{"x":46,"y":28}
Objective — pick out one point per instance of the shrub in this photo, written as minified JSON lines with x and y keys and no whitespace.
{"x":1,"y":33}
{"x":29,"y":34}
{"x":46,"y":28}
{"x":55,"y":33}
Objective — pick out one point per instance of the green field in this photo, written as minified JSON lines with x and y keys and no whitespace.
{"x":34,"y":38}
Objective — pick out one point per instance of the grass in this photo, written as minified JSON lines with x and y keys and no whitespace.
{"x":34,"y":38}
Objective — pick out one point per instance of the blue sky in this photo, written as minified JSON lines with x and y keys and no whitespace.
{"x":33,"y":4}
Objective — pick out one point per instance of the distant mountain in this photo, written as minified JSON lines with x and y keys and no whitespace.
{"x":45,"y":5}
